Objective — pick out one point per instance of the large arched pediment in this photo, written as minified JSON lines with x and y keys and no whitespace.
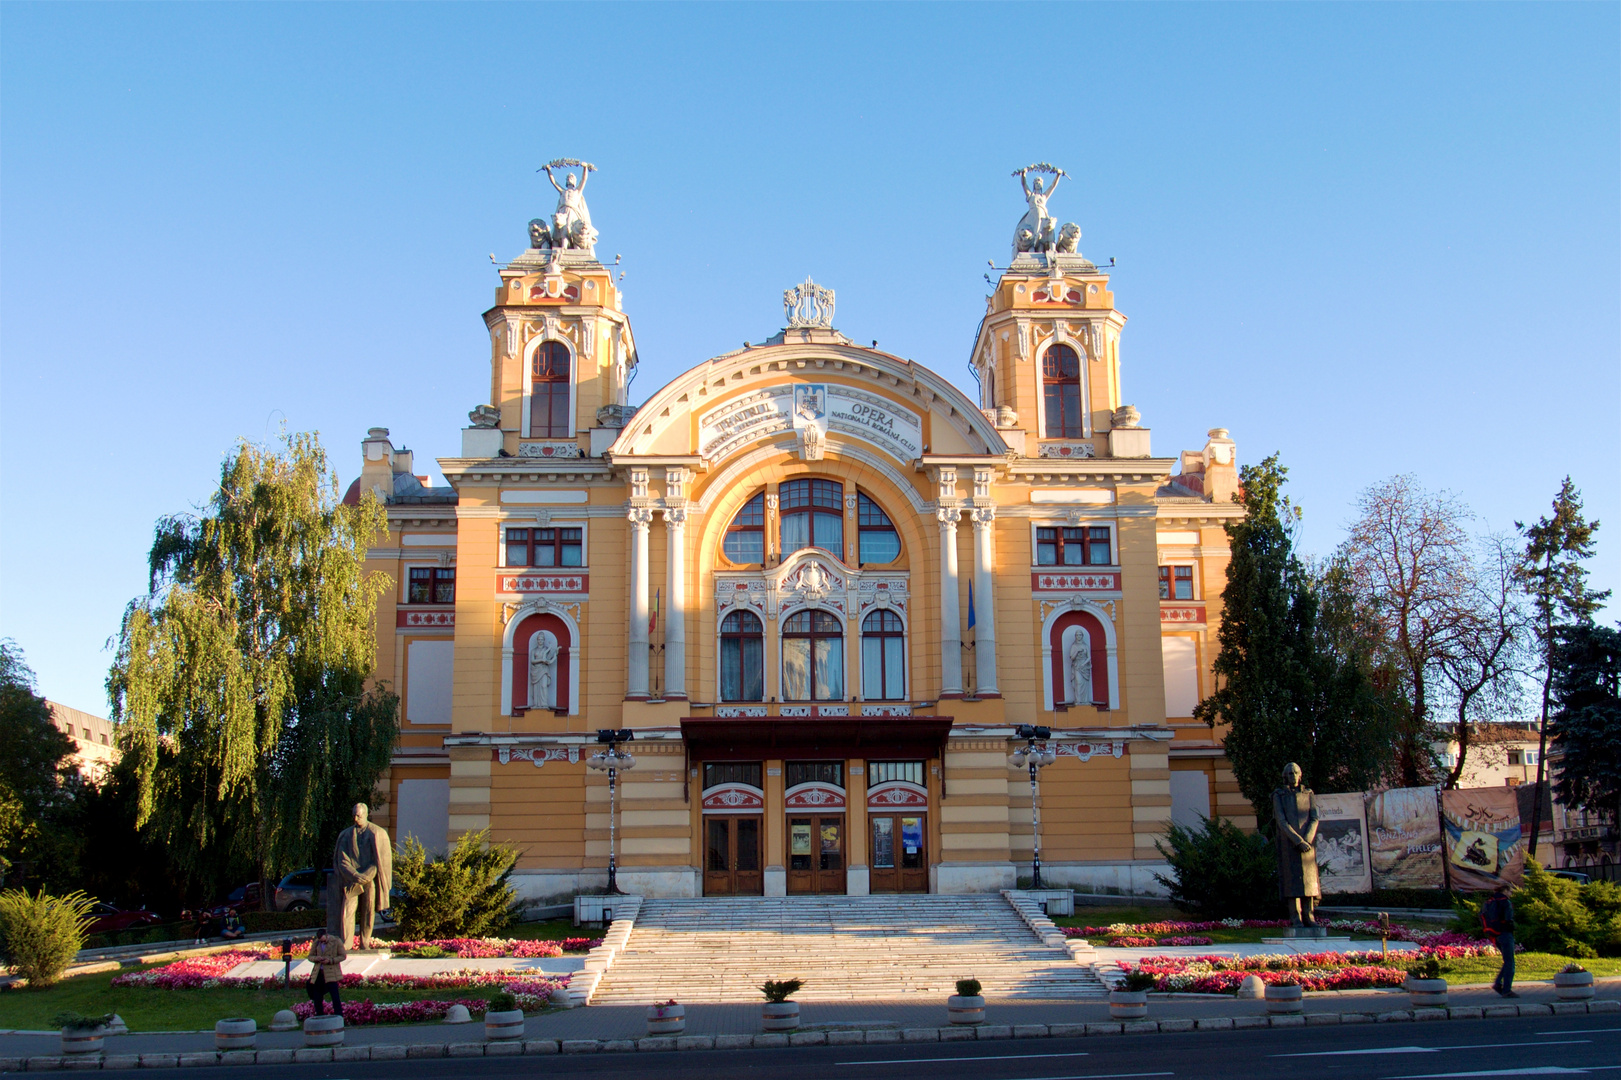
{"x":812,"y":394}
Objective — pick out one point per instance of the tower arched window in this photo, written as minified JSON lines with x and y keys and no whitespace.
{"x":742,"y":657}
{"x":883,"y":657}
{"x":879,"y":542}
{"x":1061,"y":392}
{"x":549,"y":391}
{"x":812,"y":657}
{"x":745,"y":536}
{"x":812,"y":516}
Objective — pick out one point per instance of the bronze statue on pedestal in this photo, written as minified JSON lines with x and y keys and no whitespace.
{"x":1294,"y":811}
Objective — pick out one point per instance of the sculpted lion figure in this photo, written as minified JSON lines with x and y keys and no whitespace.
{"x":1069,"y":238}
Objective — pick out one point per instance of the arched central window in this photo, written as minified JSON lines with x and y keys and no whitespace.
{"x":742,"y":657}
{"x":879,"y":541}
{"x":548,"y":391}
{"x":812,"y":516}
{"x":745,"y":536}
{"x":1061,"y":392}
{"x":883,"y":657}
{"x":812,"y":657}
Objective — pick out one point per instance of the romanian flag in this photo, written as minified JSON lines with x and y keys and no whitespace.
{"x":653,"y":616}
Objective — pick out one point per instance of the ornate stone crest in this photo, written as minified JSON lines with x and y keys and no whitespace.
{"x":808,"y":306}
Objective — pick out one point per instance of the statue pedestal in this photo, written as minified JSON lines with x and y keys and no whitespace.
{"x":1310,"y":944}
{"x":1305,"y":932}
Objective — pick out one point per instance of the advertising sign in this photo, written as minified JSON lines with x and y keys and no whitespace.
{"x":1404,"y":839}
{"x":1484,"y":843}
{"x":1342,"y":844}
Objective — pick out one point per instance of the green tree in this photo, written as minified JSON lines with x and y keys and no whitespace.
{"x":1220,"y":872}
{"x":37,"y":776}
{"x":241,"y":677}
{"x":1552,"y":574}
{"x":1293,"y":686}
{"x":1586,"y":723}
{"x":465,"y":893}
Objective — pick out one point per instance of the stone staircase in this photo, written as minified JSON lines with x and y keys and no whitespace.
{"x":846,"y":948}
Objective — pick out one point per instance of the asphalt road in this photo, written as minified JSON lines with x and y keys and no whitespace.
{"x":1529,"y":1046}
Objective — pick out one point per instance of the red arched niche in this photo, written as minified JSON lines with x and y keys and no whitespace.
{"x":520,"y":659}
{"x":1100,"y":656}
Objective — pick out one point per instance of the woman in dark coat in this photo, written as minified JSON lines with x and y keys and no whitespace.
{"x":1294,"y":812}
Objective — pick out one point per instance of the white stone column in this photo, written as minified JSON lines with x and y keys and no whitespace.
{"x":984,"y":601}
{"x":950,"y":617}
{"x":675,"y":619}
{"x":640,"y":519}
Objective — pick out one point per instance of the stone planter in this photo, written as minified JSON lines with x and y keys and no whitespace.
{"x":1284,"y":999}
{"x":83,"y":1040}
{"x":116,"y":1026}
{"x":966,"y":1010}
{"x":284,"y":1020}
{"x":666,"y":1019}
{"x":1128,"y":1004}
{"x":324,"y":1030}
{"x":779,"y":1015}
{"x":236,"y":1033}
{"x":503,"y":1024}
{"x":1573,"y":985}
{"x":1427,"y":993}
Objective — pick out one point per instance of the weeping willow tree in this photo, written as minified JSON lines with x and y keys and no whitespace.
{"x":241,"y":677}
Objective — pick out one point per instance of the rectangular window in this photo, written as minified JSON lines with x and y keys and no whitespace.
{"x":881,"y":772}
{"x":1513,"y":757}
{"x":545,"y":547}
{"x":805,"y":772}
{"x":431,"y":585}
{"x":1097,"y":546}
{"x":717,"y":773}
{"x":1176,"y":583}
{"x":1086,"y":546}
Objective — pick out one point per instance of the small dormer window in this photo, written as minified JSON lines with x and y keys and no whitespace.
{"x":549,"y":391}
{"x":1061,"y":392}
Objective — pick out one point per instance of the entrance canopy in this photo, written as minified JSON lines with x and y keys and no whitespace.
{"x":716,"y":738}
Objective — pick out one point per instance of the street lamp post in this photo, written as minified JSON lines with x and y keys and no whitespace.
{"x":1034,"y":757}
{"x":613,"y":761}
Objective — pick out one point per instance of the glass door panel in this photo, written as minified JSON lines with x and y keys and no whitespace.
{"x":732,"y":856}
{"x":816,"y":854}
{"x":900,"y":860}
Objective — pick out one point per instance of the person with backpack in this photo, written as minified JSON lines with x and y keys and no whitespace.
{"x":1497,"y":917}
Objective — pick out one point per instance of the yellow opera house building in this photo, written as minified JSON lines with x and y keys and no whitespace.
{"x":822,"y":586}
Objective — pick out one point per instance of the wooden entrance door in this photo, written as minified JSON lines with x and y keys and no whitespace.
{"x":816,"y":853}
{"x":732,"y":855}
{"x":899,"y":853}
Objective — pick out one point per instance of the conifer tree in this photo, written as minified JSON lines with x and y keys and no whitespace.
{"x":241,"y":677}
{"x":1552,"y":574}
{"x":1292,"y":685}
{"x":1586,"y":721}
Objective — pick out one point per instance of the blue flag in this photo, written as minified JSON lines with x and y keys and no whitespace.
{"x":970,"y":605}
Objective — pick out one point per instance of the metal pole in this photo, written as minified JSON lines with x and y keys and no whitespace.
{"x":1035,"y":826}
{"x":613,"y":883}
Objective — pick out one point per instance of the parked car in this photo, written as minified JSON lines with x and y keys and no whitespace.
{"x":110,"y":919}
{"x":242,"y":898}
{"x":1571,"y":875}
{"x":301,"y":890}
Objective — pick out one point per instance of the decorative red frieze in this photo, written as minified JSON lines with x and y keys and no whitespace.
{"x":424,"y":618}
{"x":813,"y":796}
{"x":1182,"y":614}
{"x":538,"y":756}
{"x":1085,"y":581}
{"x":893,"y":794}
{"x":733,"y":798}
{"x":544,"y":583}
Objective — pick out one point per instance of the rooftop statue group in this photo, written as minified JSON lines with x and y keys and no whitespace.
{"x":1039,"y":231}
{"x":570,"y":228}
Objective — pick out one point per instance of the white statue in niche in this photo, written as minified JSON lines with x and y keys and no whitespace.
{"x":1077,"y":666}
{"x":543,"y":670}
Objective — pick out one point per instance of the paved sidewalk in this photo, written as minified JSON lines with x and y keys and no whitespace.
{"x":606,"y":1023}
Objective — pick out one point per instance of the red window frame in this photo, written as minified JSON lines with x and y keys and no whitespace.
{"x":807,"y":498}
{"x":884,"y":625}
{"x":1061,"y":392}
{"x":817,"y":625}
{"x":549,"y":391}
{"x":1083,"y":545}
{"x":1172,"y":580}
{"x":749,"y":519}
{"x":870,"y":518}
{"x":525,"y":549}
{"x":430,"y":585}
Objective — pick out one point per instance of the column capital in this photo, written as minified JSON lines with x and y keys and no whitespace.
{"x":640,"y":516}
{"x":675,"y":517}
{"x":948,"y":515}
{"x":983,"y":516}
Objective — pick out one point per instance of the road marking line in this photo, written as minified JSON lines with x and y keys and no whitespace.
{"x":987,"y":1057}
{"x":1088,"y":1076}
{"x":1535,"y":1070}
{"x":1584,"y":1031}
{"x":1430,"y":1049}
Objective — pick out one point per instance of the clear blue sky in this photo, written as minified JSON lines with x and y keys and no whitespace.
{"x":1377,"y":238}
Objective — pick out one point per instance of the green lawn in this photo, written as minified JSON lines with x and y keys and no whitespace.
{"x":1528,"y":967}
{"x":546,"y":929}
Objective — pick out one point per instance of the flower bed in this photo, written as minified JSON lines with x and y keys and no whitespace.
{"x":531,"y":994}
{"x":207,"y":972}
{"x":486,"y":948}
{"x":1314,"y":971}
{"x":1173,"y":932}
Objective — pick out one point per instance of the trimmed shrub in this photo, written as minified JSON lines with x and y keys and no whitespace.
{"x":1219,"y":871}
{"x":1557,"y":915}
{"x":467,"y":893}
{"x":778,"y":991}
{"x":968,"y":987}
{"x":40,"y":935}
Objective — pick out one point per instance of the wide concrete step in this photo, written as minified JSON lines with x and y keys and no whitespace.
{"x":844,"y":948}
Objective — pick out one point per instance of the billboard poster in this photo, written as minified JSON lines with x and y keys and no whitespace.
{"x":1484,"y":844}
{"x":1404,"y":839}
{"x":1342,"y":844}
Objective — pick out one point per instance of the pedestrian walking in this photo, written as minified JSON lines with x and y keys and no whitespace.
{"x":1498,"y":919}
{"x":326,"y":972}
